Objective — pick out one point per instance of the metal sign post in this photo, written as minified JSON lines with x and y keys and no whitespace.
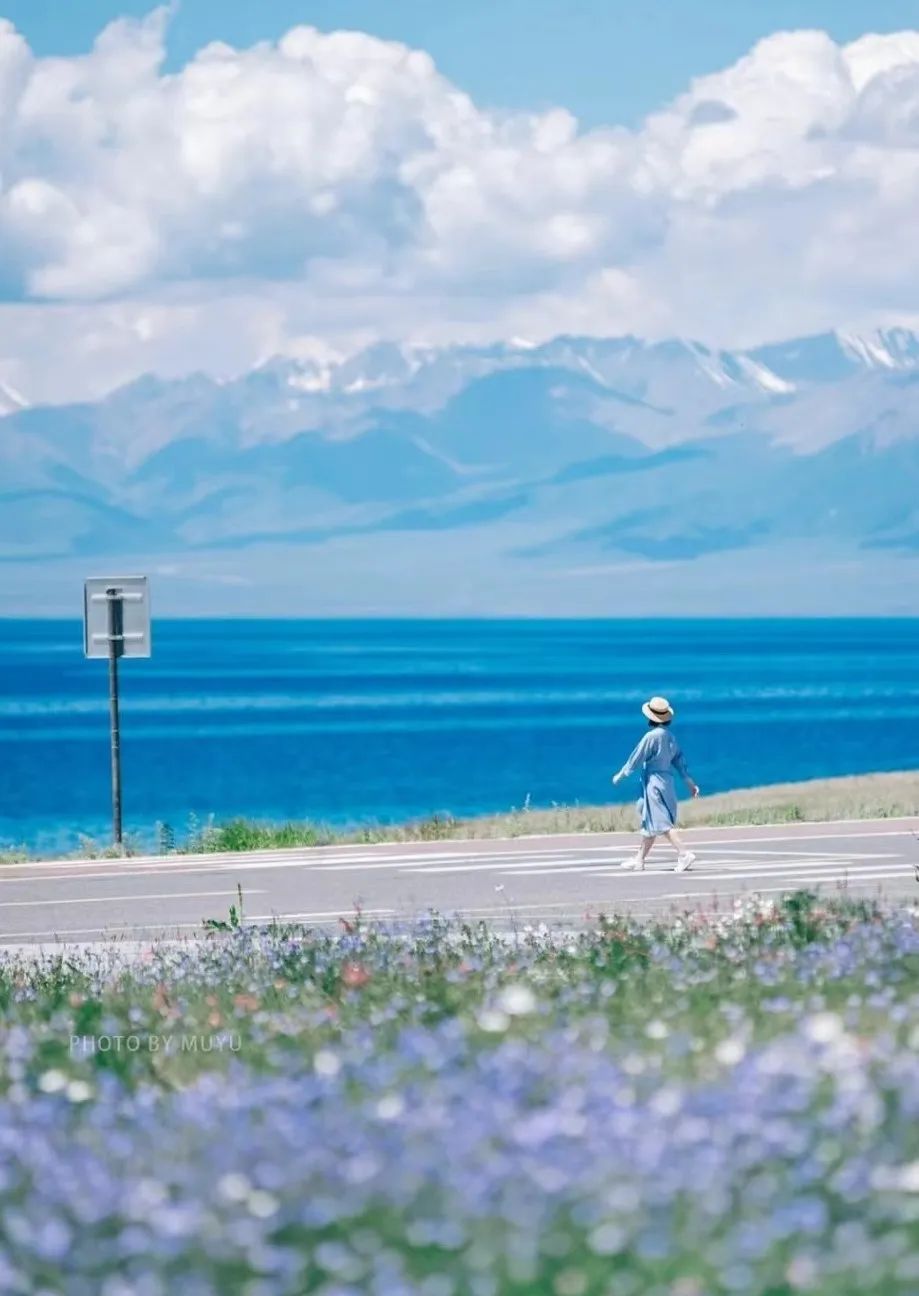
{"x":116,"y":624}
{"x":115,"y":650}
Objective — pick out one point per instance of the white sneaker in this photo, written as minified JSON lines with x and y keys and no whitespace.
{"x":636,"y":863}
{"x":685,"y":862}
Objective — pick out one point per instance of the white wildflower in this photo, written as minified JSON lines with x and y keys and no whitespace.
{"x":493,"y":1021}
{"x":53,"y":1082}
{"x":234,"y":1187}
{"x":517,"y":1001}
{"x":326,"y":1063}
{"x":824,"y":1028}
{"x":262,"y":1204}
{"x":904,"y":1178}
{"x":390,"y":1107}
{"x":729,"y":1052}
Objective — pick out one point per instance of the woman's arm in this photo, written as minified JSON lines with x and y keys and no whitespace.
{"x":637,"y":758}
{"x":679,"y":764}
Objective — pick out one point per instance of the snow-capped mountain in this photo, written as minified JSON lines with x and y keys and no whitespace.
{"x":517,"y":460}
{"x":677,"y":390}
{"x":624,"y":364}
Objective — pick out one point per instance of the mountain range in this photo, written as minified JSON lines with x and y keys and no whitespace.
{"x":575,"y":475}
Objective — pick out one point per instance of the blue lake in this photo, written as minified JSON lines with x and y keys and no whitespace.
{"x":350,"y":722}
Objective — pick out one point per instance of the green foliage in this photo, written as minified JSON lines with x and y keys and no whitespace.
{"x":800,"y":907}
{"x":235,"y":919}
{"x":605,"y":1080}
{"x":91,"y":849}
{"x":877,"y":796}
{"x":789,"y":812}
{"x":287,"y":989}
{"x":165,"y":839}
{"x":436,"y":828}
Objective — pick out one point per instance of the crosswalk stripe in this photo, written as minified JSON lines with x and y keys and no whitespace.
{"x":402,"y":863}
{"x":711,"y":838}
{"x":731,"y":868}
{"x":477,"y":857}
{"x":801,"y":875}
{"x":555,"y":866}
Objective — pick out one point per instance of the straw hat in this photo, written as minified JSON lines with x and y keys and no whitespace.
{"x":658,"y":709}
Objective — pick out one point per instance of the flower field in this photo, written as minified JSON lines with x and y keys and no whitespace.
{"x":723,"y":1105}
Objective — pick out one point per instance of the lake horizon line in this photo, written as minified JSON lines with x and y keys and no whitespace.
{"x":487,"y":619}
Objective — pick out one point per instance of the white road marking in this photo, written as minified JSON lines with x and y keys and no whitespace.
{"x":112,"y":933}
{"x":729,"y":868}
{"x":309,"y":856}
{"x":409,"y":863}
{"x":790,"y":859}
{"x":107,"y":877}
{"x":430,"y":864}
{"x":608,"y":903}
{"x":481,"y":862}
{"x":859,"y":885}
{"x":243,"y":861}
{"x":808,"y":876}
{"x":336,"y":915}
{"x":51,"y":902}
{"x":562,"y":910}
{"x":297,"y":857}
{"x":555,"y":866}
{"x":902,"y":833}
{"x":709,"y":852}
{"x":247,"y":863}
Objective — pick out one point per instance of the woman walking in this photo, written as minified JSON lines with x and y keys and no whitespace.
{"x":657,"y":756}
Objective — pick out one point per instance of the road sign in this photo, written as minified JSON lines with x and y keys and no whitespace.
{"x":116,"y":623}
{"x":132,"y":593}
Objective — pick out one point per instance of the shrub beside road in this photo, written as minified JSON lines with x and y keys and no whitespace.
{"x":864,"y":796}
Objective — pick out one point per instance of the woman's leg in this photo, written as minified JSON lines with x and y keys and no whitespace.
{"x":644,"y":850}
{"x":684,"y":858}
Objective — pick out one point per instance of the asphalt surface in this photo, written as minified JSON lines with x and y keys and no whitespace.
{"x":558,"y":880}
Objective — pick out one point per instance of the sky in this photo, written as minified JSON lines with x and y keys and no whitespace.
{"x":608,"y":61}
{"x":209,"y":186}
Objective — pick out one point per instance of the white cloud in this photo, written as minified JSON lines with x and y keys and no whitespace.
{"x":337,"y":186}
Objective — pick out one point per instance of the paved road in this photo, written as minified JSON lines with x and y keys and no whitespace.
{"x":554,"y":879}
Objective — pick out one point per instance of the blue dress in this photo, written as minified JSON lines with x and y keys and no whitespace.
{"x":657,"y":755}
